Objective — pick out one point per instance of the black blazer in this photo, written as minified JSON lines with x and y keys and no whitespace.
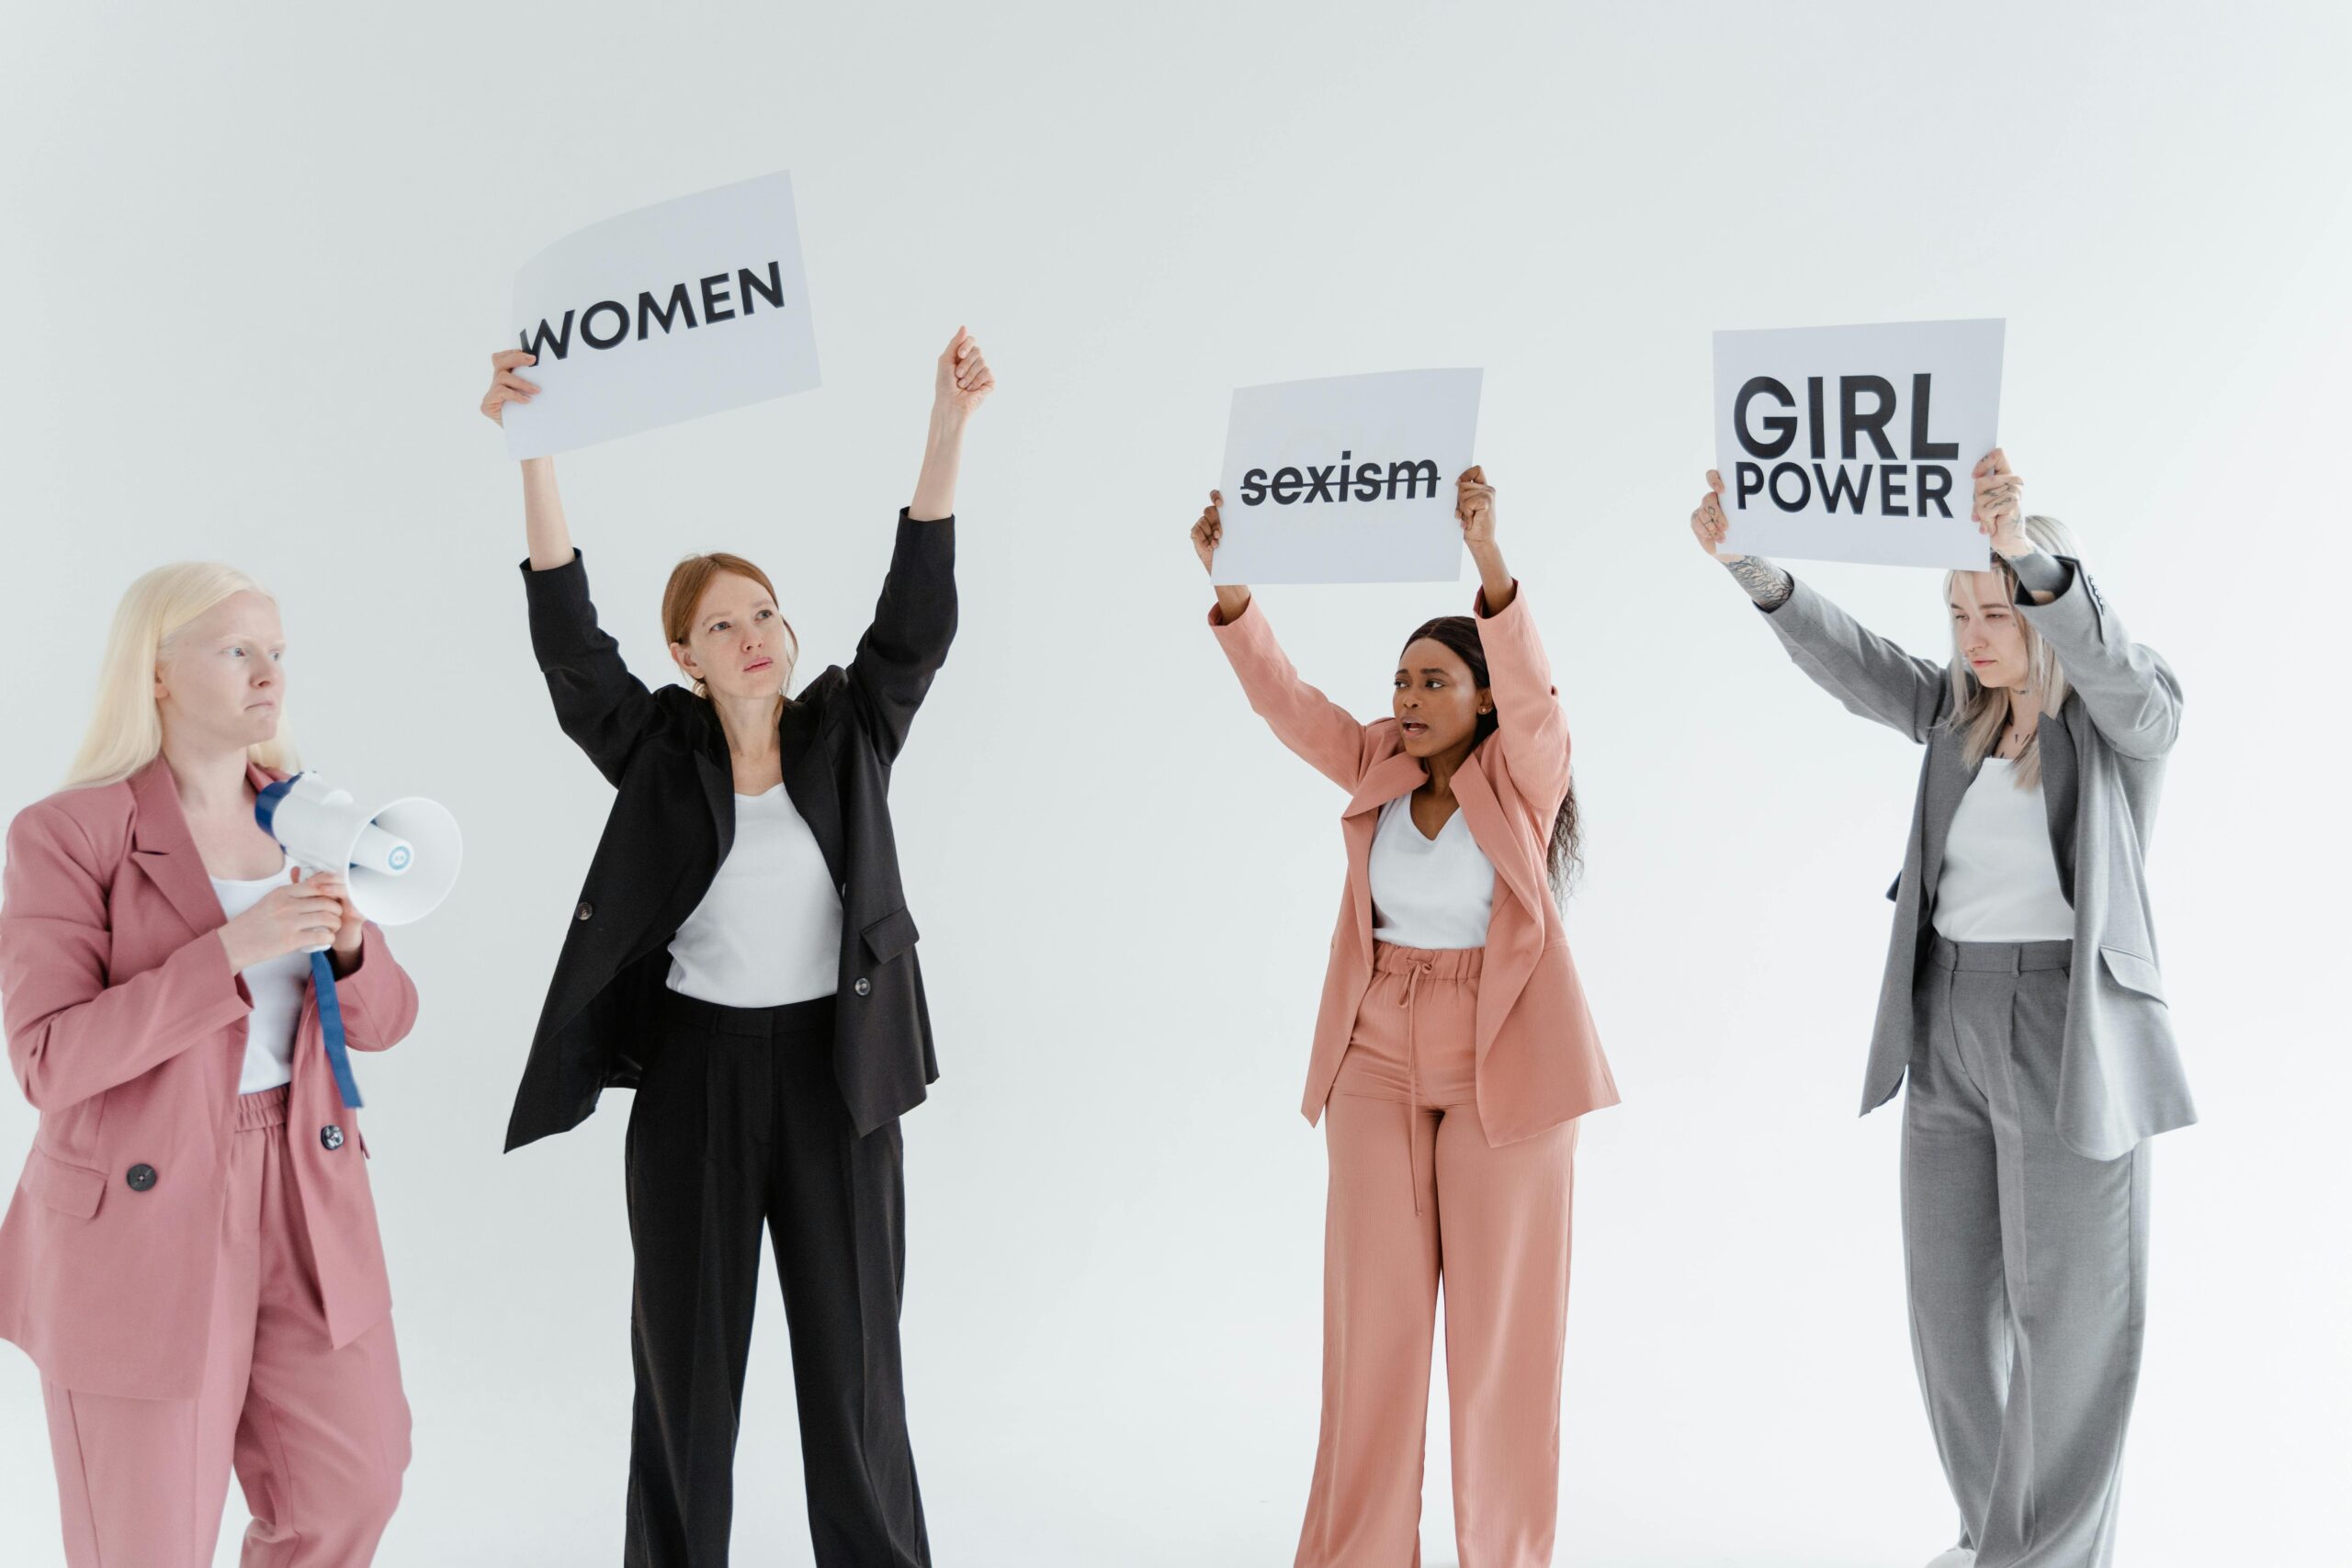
{"x":674,"y":819}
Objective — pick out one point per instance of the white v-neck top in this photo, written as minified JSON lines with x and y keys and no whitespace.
{"x":768,"y":931}
{"x":1999,"y":880}
{"x":275,"y":985}
{"x":1432,"y":893}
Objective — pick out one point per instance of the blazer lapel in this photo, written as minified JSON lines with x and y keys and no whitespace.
{"x":1947,"y":778}
{"x":2062,"y":785}
{"x":1484,"y":810}
{"x":810,"y":783}
{"x":715,"y":774}
{"x":1391,"y":776}
{"x":165,"y":852}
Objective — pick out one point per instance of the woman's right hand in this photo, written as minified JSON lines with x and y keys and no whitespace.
{"x":288,"y":920}
{"x":505,"y":386}
{"x":1707,"y":523}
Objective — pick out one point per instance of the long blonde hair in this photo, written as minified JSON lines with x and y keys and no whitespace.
{"x":1980,"y":712}
{"x":126,"y":731}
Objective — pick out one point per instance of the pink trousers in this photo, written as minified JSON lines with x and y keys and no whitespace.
{"x":1418,"y":1197}
{"x":318,"y":1436}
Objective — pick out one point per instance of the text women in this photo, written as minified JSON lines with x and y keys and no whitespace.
{"x":716,"y":306}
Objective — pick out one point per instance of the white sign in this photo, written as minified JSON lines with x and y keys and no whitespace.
{"x":664,"y":314}
{"x":1858,"y":444}
{"x":1349,"y":479}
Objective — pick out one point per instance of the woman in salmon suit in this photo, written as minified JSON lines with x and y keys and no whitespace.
{"x":1452,"y":1055}
{"x":191,"y":1254}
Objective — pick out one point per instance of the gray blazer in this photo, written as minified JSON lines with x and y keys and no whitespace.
{"x":2102,"y":767}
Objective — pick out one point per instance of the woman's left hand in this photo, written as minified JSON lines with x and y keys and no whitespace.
{"x":1473,"y":506}
{"x":1999,"y":515}
{"x":965,"y":381}
{"x":353,"y":926}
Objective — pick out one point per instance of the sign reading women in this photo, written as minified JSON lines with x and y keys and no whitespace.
{"x":664,"y":314}
{"x":1856,"y":443}
{"x":1349,"y":479}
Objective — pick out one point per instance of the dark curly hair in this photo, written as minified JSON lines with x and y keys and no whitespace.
{"x":1459,"y":633}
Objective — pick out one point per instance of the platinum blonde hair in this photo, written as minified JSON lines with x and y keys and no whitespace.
{"x":126,"y":731}
{"x":1980,"y":712}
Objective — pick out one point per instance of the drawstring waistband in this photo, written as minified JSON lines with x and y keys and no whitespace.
{"x":262,"y":1108}
{"x":1416,"y":965}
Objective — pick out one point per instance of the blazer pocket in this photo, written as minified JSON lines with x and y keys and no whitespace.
{"x":68,"y":1189}
{"x":2134,"y":972}
{"x":890,"y":936}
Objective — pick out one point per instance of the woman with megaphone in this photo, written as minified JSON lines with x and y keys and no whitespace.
{"x":191,"y":1256}
{"x":742,"y":956}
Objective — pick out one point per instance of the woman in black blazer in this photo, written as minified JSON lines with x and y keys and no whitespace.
{"x":742,"y":955}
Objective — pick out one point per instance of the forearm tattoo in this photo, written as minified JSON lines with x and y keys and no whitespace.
{"x":1766,"y":583}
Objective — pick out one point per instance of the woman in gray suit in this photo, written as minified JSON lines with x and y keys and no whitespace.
{"x":2023,"y":998}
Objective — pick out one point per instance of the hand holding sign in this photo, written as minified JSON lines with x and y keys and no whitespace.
{"x":1998,"y":515}
{"x":506,"y":384}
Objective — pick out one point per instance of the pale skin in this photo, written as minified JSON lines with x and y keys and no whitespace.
{"x":1984,"y":619}
{"x":738,"y":651}
{"x":1437,"y":702}
{"x":219,"y":687}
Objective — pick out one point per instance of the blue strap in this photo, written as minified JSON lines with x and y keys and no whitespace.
{"x":331,"y":1026}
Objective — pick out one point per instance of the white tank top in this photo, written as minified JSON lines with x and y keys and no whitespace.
{"x":1432,"y":893}
{"x":277,"y":985}
{"x":1999,"y":880}
{"x":768,"y":931}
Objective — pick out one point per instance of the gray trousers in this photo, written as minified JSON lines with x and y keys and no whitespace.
{"x":2028,"y":1264}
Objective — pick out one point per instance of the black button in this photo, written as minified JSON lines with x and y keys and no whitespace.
{"x":863,"y":986}
{"x":330,"y":1136}
{"x":140,"y":1177}
{"x":584,"y":910}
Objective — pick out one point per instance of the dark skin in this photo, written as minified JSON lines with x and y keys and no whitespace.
{"x":1437,"y":704}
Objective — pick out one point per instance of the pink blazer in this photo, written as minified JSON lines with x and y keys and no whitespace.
{"x":1538,"y":1056}
{"x":127,"y":1030}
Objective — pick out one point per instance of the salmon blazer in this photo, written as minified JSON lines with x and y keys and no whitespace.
{"x":127,"y":1030}
{"x":1538,"y":1056}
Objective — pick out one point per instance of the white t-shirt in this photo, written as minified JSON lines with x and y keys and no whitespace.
{"x":768,"y":931}
{"x":1432,"y":893}
{"x":1999,"y":881}
{"x":277,"y":985}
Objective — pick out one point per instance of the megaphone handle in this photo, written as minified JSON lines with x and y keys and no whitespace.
{"x":330,"y":1027}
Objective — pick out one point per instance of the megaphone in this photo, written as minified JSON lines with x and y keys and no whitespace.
{"x":398,"y":861}
{"x":399,"y":858}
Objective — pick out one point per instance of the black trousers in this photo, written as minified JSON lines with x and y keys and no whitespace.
{"x":739,"y":1124}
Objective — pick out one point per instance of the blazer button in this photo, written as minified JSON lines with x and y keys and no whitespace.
{"x":584,"y":911}
{"x":139,"y":1177}
{"x":863,"y":987}
{"x":330,"y":1136}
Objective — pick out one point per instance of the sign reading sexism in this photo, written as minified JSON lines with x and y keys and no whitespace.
{"x":664,"y":314}
{"x":1348,"y":478}
{"x":1857,"y":444}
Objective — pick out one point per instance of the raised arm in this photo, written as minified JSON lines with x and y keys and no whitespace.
{"x":1328,"y":736}
{"x":1871,"y":675}
{"x":1532,"y":729}
{"x":72,"y":1034}
{"x":604,"y":709}
{"x":914,"y":620}
{"x":2129,"y":691}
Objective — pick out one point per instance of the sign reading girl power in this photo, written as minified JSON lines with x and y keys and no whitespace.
{"x":1349,"y":479}
{"x":1857,"y":444}
{"x":664,"y":314}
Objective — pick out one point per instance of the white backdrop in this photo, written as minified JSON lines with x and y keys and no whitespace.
{"x":255,"y":264}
